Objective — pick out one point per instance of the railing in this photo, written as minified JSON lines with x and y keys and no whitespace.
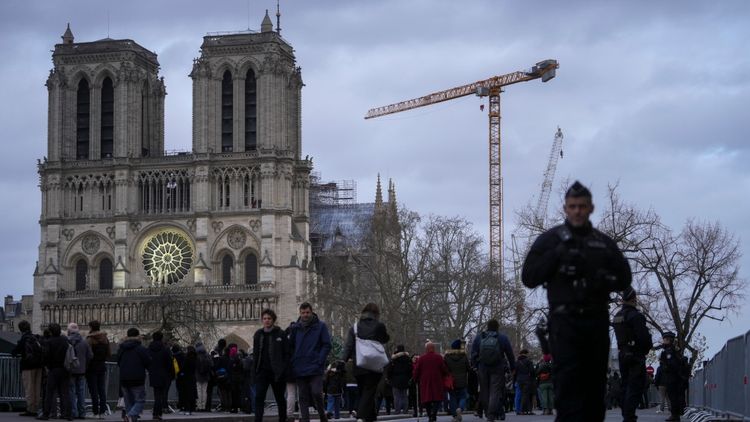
{"x":211,"y":289}
{"x":722,"y":385}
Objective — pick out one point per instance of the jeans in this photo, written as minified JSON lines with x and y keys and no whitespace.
{"x":58,"y":385}
{"x":517,"y":400}
{"x":311,"y":393}
{"x":334,"y":405}
{"x":78,"y":395}
{"x":97,"y":382}
{"x":458,"y":400}
{"x":135,"y":398}
{"x":401,"y":400}
{"x":351,"y":398}
{"x":546,"y":395}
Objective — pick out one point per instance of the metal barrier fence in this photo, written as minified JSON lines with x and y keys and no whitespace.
{"x":722,"y":384}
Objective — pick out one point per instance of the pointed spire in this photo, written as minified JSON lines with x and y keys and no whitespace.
{"x":278,"y":18}
{"x":378,"y":195}
{"x":266,"y":25}
{"x":67,"y":37}
{"x":391,"y":192}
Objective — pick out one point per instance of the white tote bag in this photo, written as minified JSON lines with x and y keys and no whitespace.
{"x":370,"y":353}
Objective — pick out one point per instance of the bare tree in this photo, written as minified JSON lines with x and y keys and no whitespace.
{"x":180,"y":317}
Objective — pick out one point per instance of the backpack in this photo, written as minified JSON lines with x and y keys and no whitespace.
{"x":489,"y":349}
{"x":71,"y":359}
{"x":33,"y":353}
{"x":222,"y":375}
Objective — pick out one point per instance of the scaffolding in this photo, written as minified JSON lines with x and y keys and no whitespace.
{"x":341,"y":193}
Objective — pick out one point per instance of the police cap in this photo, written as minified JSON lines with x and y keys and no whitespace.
{"x":577,"y":190}
{"x":628,"y":293}
{"x":668,"y":334}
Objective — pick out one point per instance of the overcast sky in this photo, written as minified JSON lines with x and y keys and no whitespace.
{"x":653,"y":95}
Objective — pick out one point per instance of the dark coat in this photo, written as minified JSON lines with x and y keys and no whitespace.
{"x":429,"y":372}
{"x":458,"y":365}
{"x":312,"y":343}
{"x":505,"y":349}
{"x":525,"y":372}
{"x":56,"y":349}
{"x":368,"y":328}
{"x":204,"y":365}
{"x":161,"y":372}
{"x":335,"y":380}
{"x":236,"y":369}
{"x":100,"y":348}
{"x":278,"y":351}
{"x":28,"y":362}
{"x":83,"y":352}
{"x":399,"y":370}
{"x":133,"y":359}
{"x":187,"y":376}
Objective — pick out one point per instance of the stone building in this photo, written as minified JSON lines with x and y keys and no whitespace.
{"x":223,"y":228}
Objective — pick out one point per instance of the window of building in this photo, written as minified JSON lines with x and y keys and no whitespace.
{"x":145,"y":123}
{"x":83,"y":103}
{"x":226,"y":270}
{"x":105,"y":274}
{"x":251,"y":269}
{"x":251,"y":111}
{"x":107,"y":119}
{"x":82,"y":270}
{"x":226,"y":112}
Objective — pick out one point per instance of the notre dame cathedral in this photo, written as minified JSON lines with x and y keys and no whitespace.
{"x":223,"y":228}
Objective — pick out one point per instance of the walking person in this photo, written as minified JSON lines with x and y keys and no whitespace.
{"x":368,"y":327}
{"x":78,"y":375}
{"x":634,"y":342}
{"x":579,"y":266}
{"x":215,"y":354}
{"x":334,"y":388}
{"x":223,"y":378}
{"x":312,"y":343}
{"x":675,"y":375}
{"x":492,"y":356}
{"x":429,"y":373}
{"x":236,"y":378}
{"x":291,"y":379}
{"x":525,"y":375}
{"x":399,"y":373}
{"x":544,"y":376}
{"x":458,"y":365}
{"x":271,"y":360}
{"x":351,"y":397}
{"x":189,"y":382}
{"x":58,"y":375}
{"x":160,"y":373}
{"x":96,"y":371}
{"x":203,"y":368}
{"x":29,"y":349}
{"x":133,"y":359}
{"x":178,"y":359}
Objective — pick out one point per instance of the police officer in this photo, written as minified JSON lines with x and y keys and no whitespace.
{"x":579,"y":266}
{"x":674,"y":374}
{"x":634,"y":342}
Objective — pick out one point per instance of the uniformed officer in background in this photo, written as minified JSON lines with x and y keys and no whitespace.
{"x":579,"y":266}
{"x":634,"y":342}
{"x":675,"y":373}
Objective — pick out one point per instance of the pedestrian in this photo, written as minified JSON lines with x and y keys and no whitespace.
{"x":384,"y":396}
{"x":525,"y":375}
{"x":633,"y":342}
{"x":614,"y":387}
{"x":56,"y":357}
{"x":675,"y":375}
{"x":544,"y":378}
{"x":334,"y":387}
{"x":429,"y":373}
{"x":472,"y":388}
{"x":414,"y":390}
{"x":78,"y":375}
{"x":271,"y":361}
{"x":236,"y":378}
{"x":492,"y":356}
{"x":96,"y":372}
{"x":161,"y":372}
{"x":133,"y":359}
{"x":458,"y":365}
{"x":224,"y":379}
{"x":399,"y":373}
{"x":351,"y":393}
{"x":189,"y":382}
{"x":291,"y":379}
{"x":579,"y":266}
{"x":367,"y":328}
{"x":312,"y":343}
{"x":248,"y":387}
{"x":203,"y":368}
{"x":178,"y":359}
{"x":662,"y":390}
{"x":29,"y":348}
{"x":215,"y":354}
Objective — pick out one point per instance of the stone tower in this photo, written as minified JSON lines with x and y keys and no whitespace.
{"x":222,"y":230}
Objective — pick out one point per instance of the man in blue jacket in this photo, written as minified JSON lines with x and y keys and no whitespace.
{"x":312,"y":343}
{"x":133,"y":360}
{"x":491,"y":354}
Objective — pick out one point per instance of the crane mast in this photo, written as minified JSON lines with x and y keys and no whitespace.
{"x":492,"y":87}
{"x":549,"y":176}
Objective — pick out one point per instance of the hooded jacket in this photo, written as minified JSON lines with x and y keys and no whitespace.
{"x":83,"y":352}
{"x":277,"y":352}
{"x":399,"y":370}
{"x":56,"y":349}
{"x":133,"y":359}
{"x":161,"y":371}
{"x":100,"y":348}
{"x":525,"y":373}
{"x":29,"y":362}
{"x":458,"y":364}
{"x":204,"y":364}
{"x":312,"y":343}
{"x":368,"y":328}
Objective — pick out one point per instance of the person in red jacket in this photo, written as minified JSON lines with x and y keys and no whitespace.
{"x":429,"y":372}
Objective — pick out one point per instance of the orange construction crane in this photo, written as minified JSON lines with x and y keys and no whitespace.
{"x":491,"y":88}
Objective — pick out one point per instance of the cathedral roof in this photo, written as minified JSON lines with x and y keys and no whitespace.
{"x":77,"y":51}
{"x":330,"y":223}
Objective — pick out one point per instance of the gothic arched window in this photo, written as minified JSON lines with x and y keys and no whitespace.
{"x":226,"y":112}
{"x":107,"y":119}
{"x":105,"y":274}
{"x":251,"y":111}
{"x":83,"y":103}
{"x":226,"y":270}
{"x":145,"y":122}
{"x":251,"y":269}
{"x":82,"y":270}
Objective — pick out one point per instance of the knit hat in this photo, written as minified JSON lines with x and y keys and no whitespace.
{"x":456,"y":344}
{"x":72,"y":328}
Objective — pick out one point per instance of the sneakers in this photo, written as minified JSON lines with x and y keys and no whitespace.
{"x":459,"y":414}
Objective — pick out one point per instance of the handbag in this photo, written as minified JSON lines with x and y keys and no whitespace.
{"x":448,"y":382}
{"x":370,"y":353}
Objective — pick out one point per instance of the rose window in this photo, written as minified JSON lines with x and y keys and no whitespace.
{"x":167,"y":258}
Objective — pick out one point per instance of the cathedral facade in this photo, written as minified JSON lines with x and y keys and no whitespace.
{"x":126,"y":226}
